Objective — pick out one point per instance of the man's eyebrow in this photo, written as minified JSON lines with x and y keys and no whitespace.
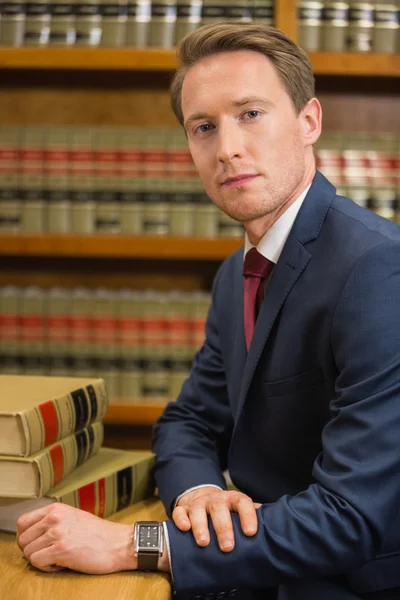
{"x":241,"y":102}
{"x":250,"y":99}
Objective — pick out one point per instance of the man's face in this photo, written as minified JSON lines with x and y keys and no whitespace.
{"x":244,"y":135}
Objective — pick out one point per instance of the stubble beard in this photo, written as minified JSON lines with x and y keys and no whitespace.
{"x":265,"y":205}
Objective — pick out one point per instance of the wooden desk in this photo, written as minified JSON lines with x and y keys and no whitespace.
{"x":20,"y":581}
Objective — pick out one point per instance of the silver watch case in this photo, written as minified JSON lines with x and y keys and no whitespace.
{"x":143,"y":549}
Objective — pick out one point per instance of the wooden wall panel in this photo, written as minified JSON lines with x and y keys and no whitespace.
{"x":142,"y":100}
{"x":127,"y":437}
{"x":111,"y":274}
{"x":359,"y":104}
{"x":75,"y":98}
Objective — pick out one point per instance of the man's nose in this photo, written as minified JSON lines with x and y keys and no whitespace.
{"x":230,"y":142}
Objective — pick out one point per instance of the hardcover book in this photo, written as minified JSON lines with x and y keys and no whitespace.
{"x":36,"y":411}
{"x":33,"y":476}
{"x":105,"y":484}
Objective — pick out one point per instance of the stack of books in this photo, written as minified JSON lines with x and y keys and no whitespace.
{"x":51,"y":436}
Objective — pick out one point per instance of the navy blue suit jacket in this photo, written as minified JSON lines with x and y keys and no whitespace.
{"x":308,"y":421}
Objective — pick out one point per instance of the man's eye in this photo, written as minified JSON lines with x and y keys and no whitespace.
{"x":252,"y":114}
{"x":203,"y":128}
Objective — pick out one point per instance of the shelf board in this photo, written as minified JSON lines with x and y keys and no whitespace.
{"x":118,"y":246}
{"x":157,"y":59}
{"x":145,"y":413}
{"x":118,"y":59}
{"x":355,"y":64}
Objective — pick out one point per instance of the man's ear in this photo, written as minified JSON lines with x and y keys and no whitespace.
{"x":311,"y":121}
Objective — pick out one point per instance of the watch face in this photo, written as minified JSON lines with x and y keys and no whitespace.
{"x":148,"y":536}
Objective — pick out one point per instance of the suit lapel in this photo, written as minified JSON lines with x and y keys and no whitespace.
{"x":239,"y":342}
{"x":291,"y":264}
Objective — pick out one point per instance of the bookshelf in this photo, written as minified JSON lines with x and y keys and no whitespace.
{"x":118,"y":246}
{"x":131,"y":59}
{"x":144,"y":412}
{"x":97,"y":87}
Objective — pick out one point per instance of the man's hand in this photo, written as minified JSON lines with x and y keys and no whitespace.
{"x":193,"y":508}
{"x":57,"y":536}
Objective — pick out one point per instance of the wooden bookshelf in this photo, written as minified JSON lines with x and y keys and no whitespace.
{"x":153,"y":59}
{"x":145,"y":413}
{"x":120,"y":59}
{"x":355,"y":64}
{"x":103,"y":246}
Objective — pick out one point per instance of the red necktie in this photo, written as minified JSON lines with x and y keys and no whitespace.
{"x":256,"y":270}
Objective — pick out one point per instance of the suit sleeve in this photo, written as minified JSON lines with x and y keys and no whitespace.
{"x":191,"y":439}
{"x":338,"y":522}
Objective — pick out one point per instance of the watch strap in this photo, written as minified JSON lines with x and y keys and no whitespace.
{"x":148,"y":561}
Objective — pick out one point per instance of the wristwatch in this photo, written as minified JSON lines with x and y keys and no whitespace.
{"x":148,"y":544}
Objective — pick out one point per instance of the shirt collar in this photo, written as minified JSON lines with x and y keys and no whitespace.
{"x":272,"y":242}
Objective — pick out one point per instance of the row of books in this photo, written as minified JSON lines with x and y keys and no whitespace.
{"x":141,"y":342}
{"x":51,"y":450}
{"x":352,"y":26}
{"x":143,"y":181}
{"x":87,"y":181}
{"x":365,"y":169}
{"x":141,"y":23}
{"x":329,"y":25}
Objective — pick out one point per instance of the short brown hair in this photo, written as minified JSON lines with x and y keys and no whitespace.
{"x":290,"y":61}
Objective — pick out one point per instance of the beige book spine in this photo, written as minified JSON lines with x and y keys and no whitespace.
{"x":118,"y":490}
{"x":58,"y":418}
{"x":60,"y":460}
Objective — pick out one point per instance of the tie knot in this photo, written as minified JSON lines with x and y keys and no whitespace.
{"x":256,"y":265}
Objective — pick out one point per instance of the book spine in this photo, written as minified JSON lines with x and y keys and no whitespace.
{"x":107,"y":495}
{"x":56,"y":176}
{"x":105,"y":339}
{"x":361,"y":23}
{"x":335,"y":25}
{"x":88,"y":23}
{"x":263,"y":11}
{"x":32,"y":194}
{"x":10,"y":198}
{"x":10,"y":327}
{"x":108,"y":213}
{"x":386,"y":27}
{"x":138,"y":23}
{"x":188,"y":18}
{"x":58,"y":418}
{"x":62,"y":24}
{"x":63,"y":458}
{"x":83,"y":211}
{"x":162,"y":24}
{"x":33,"y":305}
{"x":58,"y":332}
{"x":310,"y":22}
{"x":114,"y":17}
{"x":37,"y":23}
{"x":130,"y":337}
{"x":12,"y":23}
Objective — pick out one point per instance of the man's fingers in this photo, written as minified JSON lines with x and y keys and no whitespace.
{"x":244,"y":506}
{"x":44,"y":558}
{"x":222,"y":522}
{"x":31,"y":518}
{"x":181,"y":519}
{"x":194,"y":511}
{"x":198,"y":517}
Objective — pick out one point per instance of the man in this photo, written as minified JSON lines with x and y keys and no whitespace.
{"x":297,"y":387}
